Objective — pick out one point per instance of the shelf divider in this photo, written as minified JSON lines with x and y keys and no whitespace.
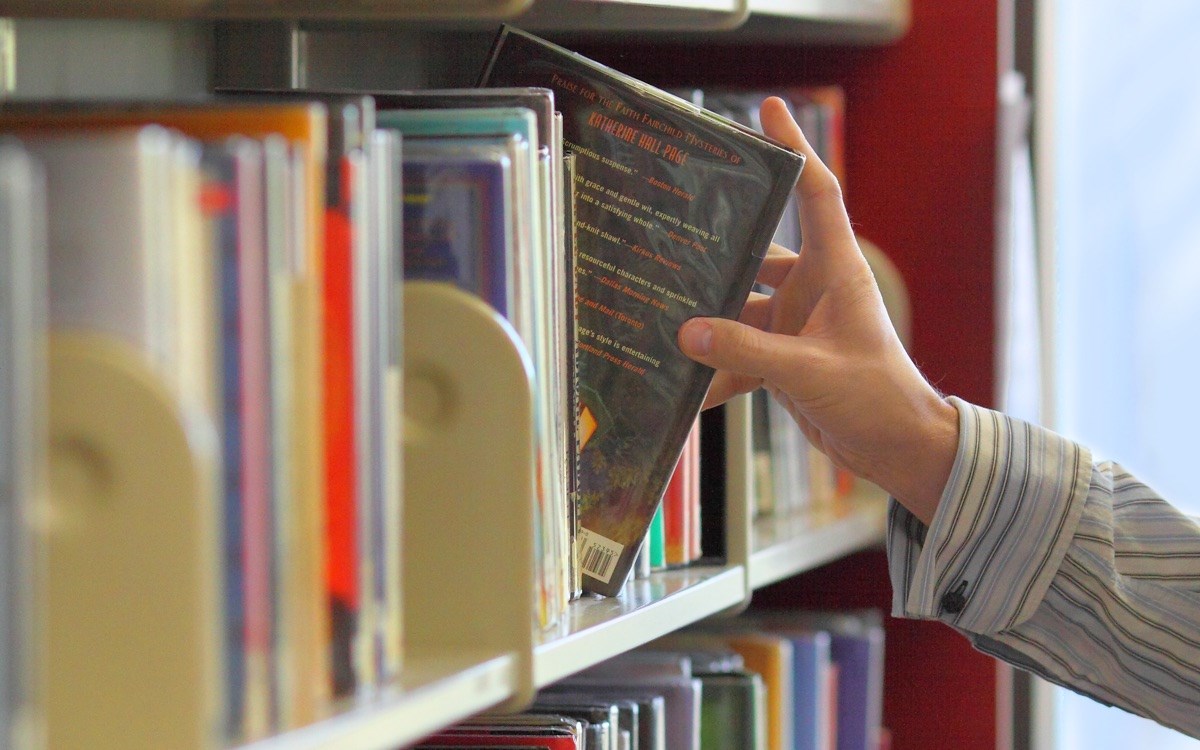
{"x":468,"y":521}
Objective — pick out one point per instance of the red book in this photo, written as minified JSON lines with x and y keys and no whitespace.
{"x":676,"y":521}
{"x":510,"y":737}
{"x":341,"y":516}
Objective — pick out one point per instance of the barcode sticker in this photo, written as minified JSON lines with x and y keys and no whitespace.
{"x":598,"y":555}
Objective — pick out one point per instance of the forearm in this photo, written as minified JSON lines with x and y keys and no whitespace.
{"x":1056,"y":565}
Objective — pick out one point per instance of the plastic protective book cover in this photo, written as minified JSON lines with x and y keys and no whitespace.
{"x":681,"y":702}
{"x":650,"y":714}
{"x":572,"y":378}
{"x":112,"y":292}
{"x":676,"y":210}
{"x":458,"y":205}
{"x":548,"y":211}
{"x":383,"y":278}
{"x":295,"y":323}
{"x":732,"y":711}
{"x":22,"y":329}
{"x":232,"y":173}
{"x":525,"y":719}
{"x":530,"y":316}
{"x":444,"y":745}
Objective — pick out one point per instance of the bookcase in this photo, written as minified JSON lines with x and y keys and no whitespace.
{"x":921,"y":83}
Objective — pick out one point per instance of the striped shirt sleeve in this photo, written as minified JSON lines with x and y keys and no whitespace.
{"x":1075,"y":571}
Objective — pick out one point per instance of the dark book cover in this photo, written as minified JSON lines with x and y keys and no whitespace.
{"x":675,"y":209}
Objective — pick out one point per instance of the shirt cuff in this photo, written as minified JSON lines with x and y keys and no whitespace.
{"x":1004,"y":523}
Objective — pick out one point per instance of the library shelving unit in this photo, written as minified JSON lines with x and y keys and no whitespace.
{"x":921,"y":126}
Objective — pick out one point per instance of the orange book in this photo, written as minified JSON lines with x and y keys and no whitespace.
{"x":675,"y":513}
{"x":772,"y":658}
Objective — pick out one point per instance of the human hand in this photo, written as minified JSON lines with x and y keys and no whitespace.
{"x":823,"y":346}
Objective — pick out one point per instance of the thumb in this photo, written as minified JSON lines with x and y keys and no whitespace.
{"x":735,"y":347}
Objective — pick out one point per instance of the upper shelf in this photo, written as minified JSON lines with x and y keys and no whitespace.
{"x":865,"y":21}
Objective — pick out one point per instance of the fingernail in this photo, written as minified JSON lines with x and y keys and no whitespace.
{"x":695,"y":338}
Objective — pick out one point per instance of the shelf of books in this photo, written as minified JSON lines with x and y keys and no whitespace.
{"x":386,"y":437}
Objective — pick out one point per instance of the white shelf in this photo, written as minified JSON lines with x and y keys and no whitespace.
{"x":598,"y":629}
{"x":825,"y":20}
{"x":434,"y":693}
{"x":781,"y":547}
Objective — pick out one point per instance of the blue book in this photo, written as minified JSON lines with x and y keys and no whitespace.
{"x":458,"y":205}
{"x":812,"y":661}
{"x":219,"y":163}
{"x":856,"y":645}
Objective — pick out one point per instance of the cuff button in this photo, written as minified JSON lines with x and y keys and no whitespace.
{"x":954,"y":601}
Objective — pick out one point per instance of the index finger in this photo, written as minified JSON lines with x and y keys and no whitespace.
{"x":823,"y":217}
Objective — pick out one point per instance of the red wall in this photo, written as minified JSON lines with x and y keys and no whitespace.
{"x":920,"y":141}
{"x":921,"y":176}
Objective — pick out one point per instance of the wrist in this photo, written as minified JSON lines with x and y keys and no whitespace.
{"x":919,"y":479}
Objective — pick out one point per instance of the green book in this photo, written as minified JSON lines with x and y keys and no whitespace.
{"x":732,"y":711}
{"x":658,"y":540}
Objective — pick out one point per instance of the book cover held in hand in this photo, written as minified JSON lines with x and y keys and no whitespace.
{"x":676,"y":207}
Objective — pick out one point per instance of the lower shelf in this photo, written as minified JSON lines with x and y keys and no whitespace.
{"x":598,"y":629}
{"x":437,"y":691}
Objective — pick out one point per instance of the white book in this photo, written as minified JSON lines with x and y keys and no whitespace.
{"x":109,"y":198}
{"x":22,"y":418}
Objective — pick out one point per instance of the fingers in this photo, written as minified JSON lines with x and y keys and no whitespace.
{"x":726,"y":385}
{"x":822,"y":213}
{"x":775,"y":268}
{"x":737,"y":348}
{"x":757,"y":311}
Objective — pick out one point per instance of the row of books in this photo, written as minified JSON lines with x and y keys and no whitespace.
{"x":788,"y":680}
{"x":244,"y":254}
{"x":248,"y":250}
